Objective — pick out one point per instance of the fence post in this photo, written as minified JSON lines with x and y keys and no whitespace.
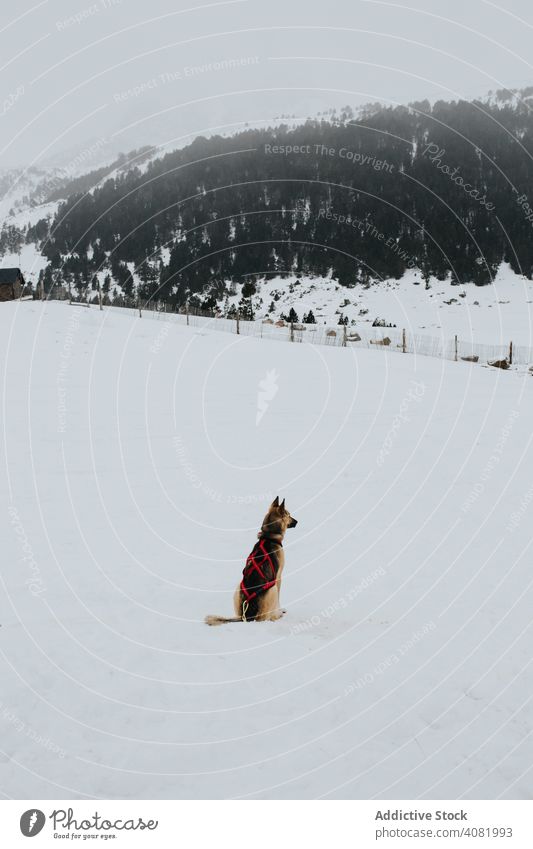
{"x":456,"y":349}
{"x":238,"y":322}
{"x":404,"y":344}
{"x":344,"y":336}
{"x":100,"y":296}
{"x":187,"y":311}
{"x":139,"y":305}
{"x":42,"y":289}
{"x":292,"y":331}
{"x":510,"y":353}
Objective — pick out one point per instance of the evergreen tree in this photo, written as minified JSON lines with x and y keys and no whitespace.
{"x":246,"y":309}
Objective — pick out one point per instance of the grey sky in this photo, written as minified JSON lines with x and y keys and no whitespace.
{"x":116,"y":74}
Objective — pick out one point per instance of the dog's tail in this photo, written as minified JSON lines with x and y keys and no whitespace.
{"x":221,"y":620}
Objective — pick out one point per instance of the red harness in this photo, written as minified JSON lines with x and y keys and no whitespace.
{"x":260,"y":572}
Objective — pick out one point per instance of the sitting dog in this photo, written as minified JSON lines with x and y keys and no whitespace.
{"x":257,"y":596}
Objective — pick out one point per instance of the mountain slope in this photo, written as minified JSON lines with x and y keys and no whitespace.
{"x":442,"y":188}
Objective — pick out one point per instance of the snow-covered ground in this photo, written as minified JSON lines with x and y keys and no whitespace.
{"x":493,"y":315}
{"x":139,"y":457}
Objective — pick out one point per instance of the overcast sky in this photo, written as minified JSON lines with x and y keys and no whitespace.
{"x":116,"y":74}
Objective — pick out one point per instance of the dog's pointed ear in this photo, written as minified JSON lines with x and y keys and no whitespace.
{"x":275,"y":503}
{"x":282,"y":505}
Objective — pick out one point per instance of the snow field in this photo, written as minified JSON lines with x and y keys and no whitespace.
{"x":139,"y":459}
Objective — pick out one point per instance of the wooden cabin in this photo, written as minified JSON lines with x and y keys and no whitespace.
{"x":11,"y":284}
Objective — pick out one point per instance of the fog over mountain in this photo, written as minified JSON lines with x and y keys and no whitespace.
{"x":120,"y":75}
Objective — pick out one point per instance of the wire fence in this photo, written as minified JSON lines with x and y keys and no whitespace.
{"x":376,"y":338}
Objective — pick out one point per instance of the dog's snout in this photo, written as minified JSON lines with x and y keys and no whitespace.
{"x":293,"y":523}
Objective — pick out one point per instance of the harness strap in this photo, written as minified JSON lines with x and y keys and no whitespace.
{"x":252,"y":565}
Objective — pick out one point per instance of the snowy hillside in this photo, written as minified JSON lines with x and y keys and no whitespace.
{"x":21,"y":191}
{"x":29,"y":259}
{"x":137,"y":470}
{"x":493,"y":314}
{"x":18,"y":185}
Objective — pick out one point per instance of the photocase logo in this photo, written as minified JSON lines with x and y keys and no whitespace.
{"x":64,"y":824}
{"x":32,"y":822}
{"x":268,"y":388}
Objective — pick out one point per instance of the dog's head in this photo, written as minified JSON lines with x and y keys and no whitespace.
{"x":278,"y":518}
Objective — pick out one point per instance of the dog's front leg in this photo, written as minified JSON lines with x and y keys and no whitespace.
{"x":280,"y":608}
{"x":269,"y":606}
{"x":277,"y":612}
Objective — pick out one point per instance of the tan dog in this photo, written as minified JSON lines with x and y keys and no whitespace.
{"x":257,"y":596}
